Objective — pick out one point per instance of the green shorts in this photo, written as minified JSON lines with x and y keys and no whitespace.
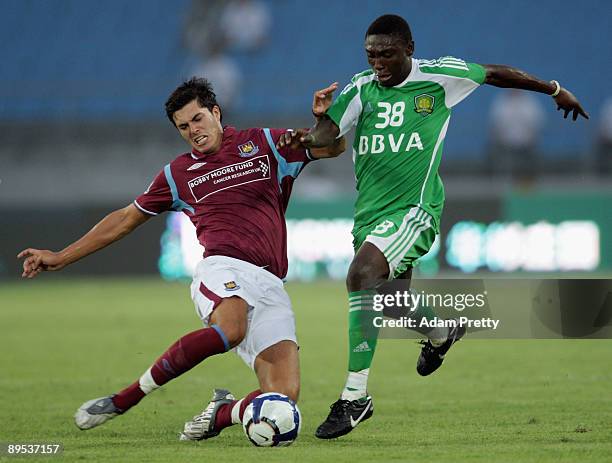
{"x":403,"y":237}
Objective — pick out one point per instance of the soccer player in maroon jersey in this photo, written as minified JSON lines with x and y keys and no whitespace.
{"x":234,"y":185}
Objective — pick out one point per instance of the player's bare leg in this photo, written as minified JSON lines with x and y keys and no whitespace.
{"x":368,"y":268}
{"x":277,"y":369}
{"x":228,"y":328}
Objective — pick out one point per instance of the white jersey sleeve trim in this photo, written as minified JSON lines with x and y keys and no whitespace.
{"x":351,"y":115}
{"x":445,"y":62}
{"x":353,"y":110}
{"x":433,"y":157}
{"x":456,"y":89}
{"x":143,"y":209}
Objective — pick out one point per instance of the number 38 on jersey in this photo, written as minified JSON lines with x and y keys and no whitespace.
{"x":389,"y":115}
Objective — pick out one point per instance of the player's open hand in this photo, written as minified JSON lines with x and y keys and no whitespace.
{"x":37,"y":260}
{"x":322,"y":99}
{"x":292,"y":138}
{"x":568,"y":102}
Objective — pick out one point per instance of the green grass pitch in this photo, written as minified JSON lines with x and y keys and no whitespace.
{"x":65,"y":341}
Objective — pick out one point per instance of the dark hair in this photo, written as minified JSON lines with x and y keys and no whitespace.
{"x":192,"y":89}
{"x":391,"y":24}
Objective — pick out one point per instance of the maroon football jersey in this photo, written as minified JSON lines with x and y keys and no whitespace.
{"x":236,"y":197}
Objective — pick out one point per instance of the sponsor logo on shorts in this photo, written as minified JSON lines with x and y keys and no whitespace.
{"x":231,"y":286}
{"x":248,"y":149}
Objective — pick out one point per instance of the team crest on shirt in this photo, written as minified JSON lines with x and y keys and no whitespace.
{"x":424,"y":104}
{"x":247,"y":149}
{"x":231,"y":286}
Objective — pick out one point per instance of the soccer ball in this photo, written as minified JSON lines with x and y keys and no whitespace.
{"x":272,"y":420}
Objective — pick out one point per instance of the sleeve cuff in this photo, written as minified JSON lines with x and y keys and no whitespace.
{"x":143,"y":209}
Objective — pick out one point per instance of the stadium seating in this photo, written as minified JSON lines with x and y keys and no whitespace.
{"x":85,"y":59}
{"x":117,"y":59}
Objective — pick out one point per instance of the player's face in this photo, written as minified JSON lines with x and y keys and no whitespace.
{"x":389,"y":57}
{"x":200,"y":127}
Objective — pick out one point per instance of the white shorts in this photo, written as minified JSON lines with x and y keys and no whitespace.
{"x":270,"y":317}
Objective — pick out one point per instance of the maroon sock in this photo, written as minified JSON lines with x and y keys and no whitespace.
{"x":180,"y":357}
{"x":128,"y":397}
{"x":224,"y":414}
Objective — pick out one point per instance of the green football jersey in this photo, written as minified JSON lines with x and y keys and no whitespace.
{"x":400,"y":134}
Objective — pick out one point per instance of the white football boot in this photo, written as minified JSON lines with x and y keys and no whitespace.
{"x":203,"y":425}
{"x":96,"y":412}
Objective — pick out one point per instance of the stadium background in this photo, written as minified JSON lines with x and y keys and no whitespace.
{"x":82,"y":87}
{"x":83,"y":127}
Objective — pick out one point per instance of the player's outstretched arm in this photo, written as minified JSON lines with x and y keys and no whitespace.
{"x":111,"y":228}
{"x":503,"y":76}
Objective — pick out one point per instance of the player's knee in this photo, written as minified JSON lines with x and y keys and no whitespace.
{"x":230,"y":316}
{"x":364,"y":275}
{"x":234,"y":333}
{"x":289,"y":388}
{"x":293,"y":392}
{"x":234,"y":329}
{"x":357,"y":278}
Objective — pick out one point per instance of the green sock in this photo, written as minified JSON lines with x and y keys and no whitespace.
{"x":362,"y":333}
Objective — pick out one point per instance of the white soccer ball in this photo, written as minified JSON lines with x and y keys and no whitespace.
{"x":272,"y":419}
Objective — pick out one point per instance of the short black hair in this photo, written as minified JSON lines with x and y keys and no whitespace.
{"x":196,"y":88}
{"x":391,"y":24}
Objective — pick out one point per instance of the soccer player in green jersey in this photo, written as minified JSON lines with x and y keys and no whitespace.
{"x":401,"y":109}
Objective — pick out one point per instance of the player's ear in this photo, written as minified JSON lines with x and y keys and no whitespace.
{"x":410,"y":48}
{"x":216,"y":112}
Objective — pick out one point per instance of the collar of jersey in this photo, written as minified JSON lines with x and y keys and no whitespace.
{"x":228,"y":136}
